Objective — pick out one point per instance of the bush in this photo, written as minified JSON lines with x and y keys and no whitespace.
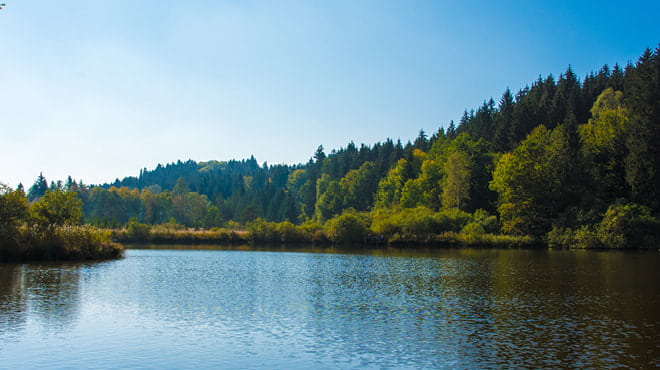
{"x":348,"y":228}
{"x":137,"y":230}
{"x":585,"y":237}
{"x":384,"y":222}
{"x":560,"y":237}
{"x":453,"y":219}
{"x":419,"y":223}
{"x":290,"y":233}
{"x":488,"y":223}
{"x":622,"y":226}
{"x":628,"y":226}
{"x":261,"y":230}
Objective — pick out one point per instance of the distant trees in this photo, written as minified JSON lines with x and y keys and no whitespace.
{"x":559,"y":160}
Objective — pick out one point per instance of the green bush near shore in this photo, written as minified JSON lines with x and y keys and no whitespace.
{"x":623,"y":226}
{"x":410,"y":227}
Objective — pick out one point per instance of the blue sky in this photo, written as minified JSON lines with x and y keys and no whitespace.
{"x":98,"y":90}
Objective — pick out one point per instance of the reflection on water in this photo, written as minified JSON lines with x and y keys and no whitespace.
{"x":329,"y":308}
{"x":47,"y":293}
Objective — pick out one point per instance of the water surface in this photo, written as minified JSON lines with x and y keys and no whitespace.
{"x":180,"y":308}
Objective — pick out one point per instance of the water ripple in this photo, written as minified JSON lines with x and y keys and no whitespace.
{"x":219,"y":309}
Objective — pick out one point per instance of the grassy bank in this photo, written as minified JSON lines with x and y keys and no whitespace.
{"x":343,"y":231}
{"x":58,"y":243}
{"x":168,"y":234}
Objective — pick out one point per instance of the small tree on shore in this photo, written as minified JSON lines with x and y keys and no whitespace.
{"x":57,"y":208}
{"x":13,"y":210}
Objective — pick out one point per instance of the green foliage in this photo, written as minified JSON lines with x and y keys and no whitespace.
{"x":642,"y":99}
{"x":358,"y":187}
{"x":420,"y":224}
{"x":604,"y":134}
{"x":348,"y":228}
{"x":531,"y":182}
{"x":390,"y":187}
{"x":622,"y":226}
{"x":38,"y":189}
{"x":355,"y":190}
{"x":547,"y":160}
{"x":13,"y":212}
{"x":13,"y":207}
{"x":629,"y":226}
{"x":487,"y":222}
{"x":583,"y":238}
{"x":330,"y":198}
{"x":50,"y":233}
{"x":57,"y":208}
{"x":456,"y":183}
{"x":59,"y":242}
{"x":261,"y":230}
{"x":603,"y":150}
{"x":138,"y":231}
{"x":412,"y":194}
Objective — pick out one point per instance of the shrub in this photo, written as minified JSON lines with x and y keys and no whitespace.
{"x":585,"y":237}
{"x":560,"y":237}
{"x":628,"y":226}
{"x":419,"y":223}
{"x":453,"y":219}
{"x":137,"y":230}
{"x":348,"y":228}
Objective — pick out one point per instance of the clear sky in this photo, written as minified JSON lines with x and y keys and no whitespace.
{"x":100,"y":89}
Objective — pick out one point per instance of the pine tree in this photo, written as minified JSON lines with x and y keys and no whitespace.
{"x":38,"y":189}
{"x":451,"y":130}
{"x":642,"y":98}
{"x":503,"y":120}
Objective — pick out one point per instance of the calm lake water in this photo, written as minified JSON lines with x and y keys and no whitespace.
{"x":181,"y":308}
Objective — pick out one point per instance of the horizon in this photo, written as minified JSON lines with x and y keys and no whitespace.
{"x":99,"y":93}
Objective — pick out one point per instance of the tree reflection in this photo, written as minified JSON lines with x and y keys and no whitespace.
{"x":48,"y":293}
{"x":13,"y":301}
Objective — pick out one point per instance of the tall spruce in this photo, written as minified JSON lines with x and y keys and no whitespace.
{"x":642,"y":98}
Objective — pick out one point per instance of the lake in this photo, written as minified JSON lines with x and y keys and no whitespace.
{"x":214,"y":308}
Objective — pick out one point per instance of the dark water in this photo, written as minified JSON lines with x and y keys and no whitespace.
{"x":267,"y":309}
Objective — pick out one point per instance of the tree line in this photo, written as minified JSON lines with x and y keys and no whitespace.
{"x":569,"y":162}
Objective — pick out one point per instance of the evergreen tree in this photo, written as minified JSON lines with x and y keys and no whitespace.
{"x":451,"y":130}
{"x":642,"y":98}
{"x":38,"y":189}
{"x":503,"y":120}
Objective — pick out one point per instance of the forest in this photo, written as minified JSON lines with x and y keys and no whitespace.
{"x":564,"y":162}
